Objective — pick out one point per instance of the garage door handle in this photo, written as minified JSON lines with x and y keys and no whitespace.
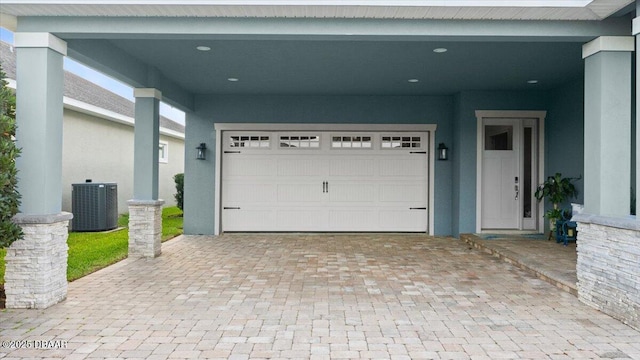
{"x":417,"y":152}
{"x":231,"y":152}
{"x":325,"y":186}
{"x":418,"y":208}
{"x":230,"y":208}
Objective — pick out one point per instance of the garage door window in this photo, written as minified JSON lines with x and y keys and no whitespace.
{"x":351,"y":142}
{"x":297,"y":142}
{"x":401,"y":142}
{"x":249,"y":141}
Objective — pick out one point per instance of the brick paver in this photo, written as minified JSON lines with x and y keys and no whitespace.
{"x":300,"y":296}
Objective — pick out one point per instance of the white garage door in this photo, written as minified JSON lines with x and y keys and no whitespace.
{"x":324,"y":181}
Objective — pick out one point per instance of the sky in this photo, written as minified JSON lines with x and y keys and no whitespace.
{"x":105,"y":81}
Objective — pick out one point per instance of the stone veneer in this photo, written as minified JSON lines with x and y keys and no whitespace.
{"x":36,"y":265}
{"x":145,"y":228}
{"x":608,"y":266}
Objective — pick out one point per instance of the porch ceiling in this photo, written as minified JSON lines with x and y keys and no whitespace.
{"x":357,"y":67}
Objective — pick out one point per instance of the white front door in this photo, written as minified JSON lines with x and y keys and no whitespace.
{"x":324,"y":181}
{"x":500,"y":174}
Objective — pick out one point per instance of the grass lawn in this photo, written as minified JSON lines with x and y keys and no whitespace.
{"x":89,"y":252}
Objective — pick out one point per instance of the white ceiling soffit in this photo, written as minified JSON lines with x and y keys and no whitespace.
{"x":358,"y":9}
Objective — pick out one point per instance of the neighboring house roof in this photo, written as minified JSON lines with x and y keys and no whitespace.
{"x":83,"y":91}
{"x":8,"y":60}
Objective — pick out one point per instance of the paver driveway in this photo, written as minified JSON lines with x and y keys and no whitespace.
{"x":327,"y":296}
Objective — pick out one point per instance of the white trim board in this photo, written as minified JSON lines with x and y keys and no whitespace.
{"x":423,"y":3}
{"x":324,"y":127}
{"x":220,"y":127}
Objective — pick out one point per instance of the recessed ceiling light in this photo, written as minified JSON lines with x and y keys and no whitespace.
{"x":439,"y":50}
{"x":413,"y":80}
{"x":233,"y":79}
{"x":532,"y":81}
{"x":203,"y":48}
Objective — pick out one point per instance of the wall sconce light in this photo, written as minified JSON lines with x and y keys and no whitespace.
{"x":201,"y":154}
{"x":443,"y":152}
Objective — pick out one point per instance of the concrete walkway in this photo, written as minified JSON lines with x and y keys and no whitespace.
{"x":323,"y":296}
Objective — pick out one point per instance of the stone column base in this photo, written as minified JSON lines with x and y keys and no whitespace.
{"x":36,"y":265}
{"x":145,"y":228}
{"x":607,"y":267}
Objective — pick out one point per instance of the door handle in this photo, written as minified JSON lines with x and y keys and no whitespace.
{"x":324,"y":187}
{"x":517,"y":192}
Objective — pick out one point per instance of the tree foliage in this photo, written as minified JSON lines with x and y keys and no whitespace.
{"x":9,"y":196}
{"x":179,"y":196}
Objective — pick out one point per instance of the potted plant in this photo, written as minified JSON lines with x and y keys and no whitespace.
{"x":556,"y":189}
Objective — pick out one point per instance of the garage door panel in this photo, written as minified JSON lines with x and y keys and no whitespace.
{"x":341,"y":193}
{"x":300,"y":193}
{"x":357,"y":219}
{"x":249,"y":220}
{"x":301,"y":219}
{"x":248,"y":166}
{"x":352,"y":167}
{"x":403,"y":219}
{"x":402,"y":192}
{"x":242,"y":193}
{"x":306,"y":166}
{"x":415,"y":166}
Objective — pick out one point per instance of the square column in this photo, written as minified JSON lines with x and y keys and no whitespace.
{"x":39,"y":108}
{"x":36,"y":265}
{"x":607,"y":120}
{"x":147,"y":138}
{"x":145,"y":209}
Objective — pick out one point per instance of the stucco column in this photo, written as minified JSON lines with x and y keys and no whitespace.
{"x":607,"y":123}
{"x":36,"y":265}
{"x":199,"y":179}
{"x":145,"y":209}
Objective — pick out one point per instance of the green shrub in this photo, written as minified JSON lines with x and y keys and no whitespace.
{"x":179,"y":196}
{"x":9,"y":196}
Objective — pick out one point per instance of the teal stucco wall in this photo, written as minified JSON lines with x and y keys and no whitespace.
{"x":564,"y":136}
{"x":455,"y":180}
